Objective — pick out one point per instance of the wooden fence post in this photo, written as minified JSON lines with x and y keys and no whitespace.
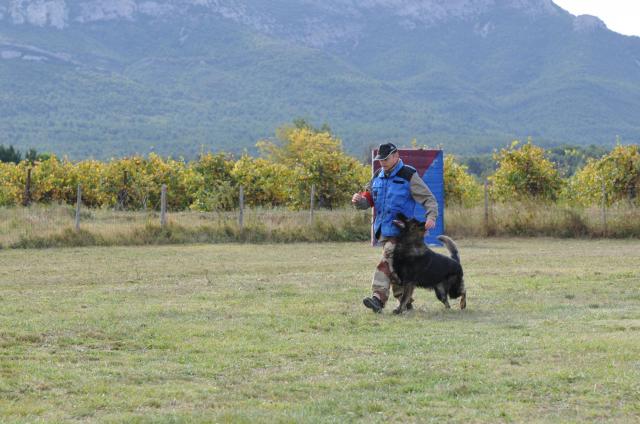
{"x":241,"y":216}
{"x":163,"y":206}
{"x":26,"y":199}
{"x":311,"y":205}
{"x":486,"y":207}
{"x":604,"y":209}
{"x":78,"y":202}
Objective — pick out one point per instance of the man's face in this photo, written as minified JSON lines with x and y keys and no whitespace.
{"x":391,"y":161}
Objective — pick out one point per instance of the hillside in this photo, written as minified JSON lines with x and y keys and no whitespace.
{"x":112,"y":77}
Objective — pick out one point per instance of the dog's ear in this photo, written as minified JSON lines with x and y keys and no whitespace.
{"x":399,"y":223}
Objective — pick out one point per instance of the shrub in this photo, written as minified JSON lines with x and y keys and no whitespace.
{"x":619,"y":171}
{"x":524,"y":173}
{"x":264,"y":182}
{"x":460,"y":188}
{"x":316,"y":159}
{"x":127,"y":185}
{"x":11,"y":184}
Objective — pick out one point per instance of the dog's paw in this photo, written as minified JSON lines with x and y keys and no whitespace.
{"x":463,"y":301}
{"x":397,"y":311}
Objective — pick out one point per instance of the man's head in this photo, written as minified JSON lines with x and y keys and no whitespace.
{"x":388,"y":156}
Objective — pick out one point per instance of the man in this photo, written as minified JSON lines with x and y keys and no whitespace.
{"x":397,"y":188}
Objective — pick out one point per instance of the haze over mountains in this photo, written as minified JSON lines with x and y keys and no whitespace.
{"x":113,"y":77}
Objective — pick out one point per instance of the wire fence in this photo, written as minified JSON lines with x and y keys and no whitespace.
{"x":20,"y":226}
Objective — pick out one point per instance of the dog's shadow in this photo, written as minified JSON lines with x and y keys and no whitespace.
{"x":443,"y":314}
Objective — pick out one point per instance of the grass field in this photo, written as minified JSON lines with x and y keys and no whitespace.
{"x":278,"y":333}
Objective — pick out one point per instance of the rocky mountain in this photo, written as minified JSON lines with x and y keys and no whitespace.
{"x":113,"y":77}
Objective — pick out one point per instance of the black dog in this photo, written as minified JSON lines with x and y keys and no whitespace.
{"x":417,"y":265}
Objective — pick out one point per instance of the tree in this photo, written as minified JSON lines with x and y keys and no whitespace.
{"x":11,"y":183}
{"x":619,"y":171}
{"x":9,"y":154}
{"x":569,"y":159}
{"x":480,"y":165}
{"x":265,"y":183}
{"x":302,"y":123}
{"x":460,"y":188}
{"x":32,"y":156}
{"x":219,"y":190}
{"x":316,"y":158}
{"x":524,"y":173}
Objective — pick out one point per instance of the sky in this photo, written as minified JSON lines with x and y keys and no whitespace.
{"x":621,"y":16}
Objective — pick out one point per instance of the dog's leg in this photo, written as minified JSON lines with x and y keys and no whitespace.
{"x":402,"y":300}
{"x":406,"y":298}
{"x":463,"y":295}
{"x":441,"y":294}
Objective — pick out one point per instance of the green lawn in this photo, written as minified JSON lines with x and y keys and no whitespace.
{"x":278,"y":333}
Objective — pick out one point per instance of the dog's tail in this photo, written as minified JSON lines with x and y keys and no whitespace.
{"x":451,"y":247}
{"x":457,"y":290}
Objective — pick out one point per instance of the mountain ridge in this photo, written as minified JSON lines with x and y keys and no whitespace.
{"x":122,"y":76}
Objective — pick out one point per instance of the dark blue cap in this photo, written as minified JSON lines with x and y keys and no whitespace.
{"x":385,"y":150}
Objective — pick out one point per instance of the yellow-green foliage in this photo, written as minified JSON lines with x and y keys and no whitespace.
{"x":11,"y":183}
{"x":525,"y":173}
{"x":264,"y":182}
{"x":287,"y":169}
{"x":283,"y":177}
{"x":90,"y":174}
{"x":131,"y":183}
{"x":619,"y":171}
{"x":316,"y":158}
{"x":218,"y":191}
{"x":182,"y":181}
{"x":126,"y":183}
{"x":135,"y":182}
{"x":214,"y":168}
{"x":460,"y":188}
{"x":52,"y":180}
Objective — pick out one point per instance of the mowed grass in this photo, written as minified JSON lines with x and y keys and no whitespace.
{"x":278,"y":333}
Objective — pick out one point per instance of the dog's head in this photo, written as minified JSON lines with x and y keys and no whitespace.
{"x":411,"y":230}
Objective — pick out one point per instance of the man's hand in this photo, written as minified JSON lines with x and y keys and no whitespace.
{"x":429,"y":224}
{"x":362,"y":201}
{"x":357,"y":198}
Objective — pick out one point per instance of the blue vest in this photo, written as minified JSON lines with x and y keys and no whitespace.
{"x":392,"y":195}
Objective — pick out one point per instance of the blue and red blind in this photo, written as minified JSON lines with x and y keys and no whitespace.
{"x":430,"y":166}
